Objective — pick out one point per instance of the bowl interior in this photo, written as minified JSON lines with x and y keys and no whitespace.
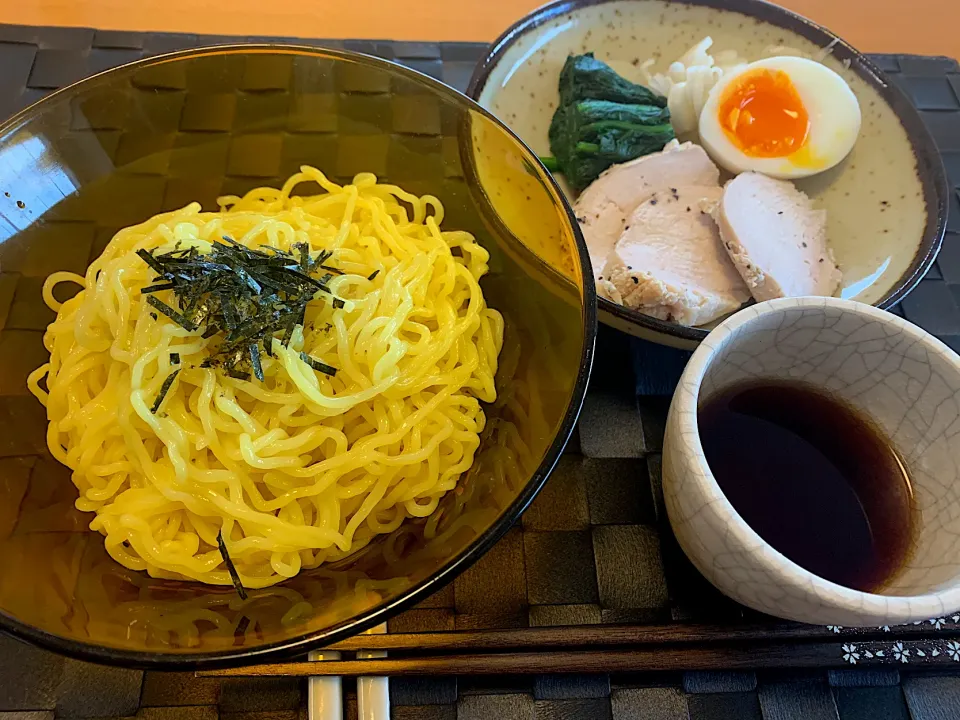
{"x":883,"y":202}
{"x":121,"y":147}
{"x":906,"y":382}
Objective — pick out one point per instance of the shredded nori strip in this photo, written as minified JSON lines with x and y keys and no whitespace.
{"x":158,"y":288}
{"x":171,"y":313}
{"x":247,"y":296}
{"x":372,"y":275}
{"x":317,"y":365}
{"x":242,"y":626}
{"x":304,"y":251}
{"x":164,"y":389}
{"x":174,"y":358}
{"x":234,"y":575}
{"x":150,"y":260}
{"x":255,"y":361}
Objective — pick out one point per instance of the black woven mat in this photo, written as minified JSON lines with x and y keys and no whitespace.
{"x":594,"y":547}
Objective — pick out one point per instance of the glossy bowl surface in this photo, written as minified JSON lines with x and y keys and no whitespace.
{"x":886,"y":203}
{"x":117,"y":148}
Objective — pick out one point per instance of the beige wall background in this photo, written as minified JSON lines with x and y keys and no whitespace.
{"x":928,"y":27}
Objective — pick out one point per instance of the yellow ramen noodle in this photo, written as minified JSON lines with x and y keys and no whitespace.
{"x":302,"y":468}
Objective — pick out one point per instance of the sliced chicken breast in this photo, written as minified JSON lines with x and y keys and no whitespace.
{"x":775,"y":238}
{"x":669,"y":262}
{"x":603,"y":208}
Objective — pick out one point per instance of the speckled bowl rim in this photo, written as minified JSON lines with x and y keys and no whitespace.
{"x":886,"y":609}
{"x":933,"y":176}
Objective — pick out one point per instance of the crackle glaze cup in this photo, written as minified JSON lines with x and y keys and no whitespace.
{"x":891,"y":371}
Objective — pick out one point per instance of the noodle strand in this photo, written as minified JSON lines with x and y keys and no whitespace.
{"x":302,"y":468}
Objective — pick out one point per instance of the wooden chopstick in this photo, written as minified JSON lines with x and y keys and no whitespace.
{"x":779,"y":655}
{"x":596,"y":648}
{"x":612,"y":636}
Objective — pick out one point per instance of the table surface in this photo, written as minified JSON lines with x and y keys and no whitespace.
{"x":924,"y":27}
{"x":552,"y":557}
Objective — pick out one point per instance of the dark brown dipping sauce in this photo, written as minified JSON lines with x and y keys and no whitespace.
{"x":813,"y":478}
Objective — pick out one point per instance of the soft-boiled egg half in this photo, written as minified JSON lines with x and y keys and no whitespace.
{"x":786,"y":117}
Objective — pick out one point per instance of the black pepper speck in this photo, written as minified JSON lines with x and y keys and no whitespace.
{"x":21,"y":204}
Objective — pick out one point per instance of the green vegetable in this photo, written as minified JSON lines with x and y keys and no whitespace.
{"x":550,"y":163}
{"x":603,"y":120}
{"x":598,"y":114}
{"x":583,"y":77}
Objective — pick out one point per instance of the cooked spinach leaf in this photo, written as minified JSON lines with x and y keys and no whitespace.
{"x":602,"y":120}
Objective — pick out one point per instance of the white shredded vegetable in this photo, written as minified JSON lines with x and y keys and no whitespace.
{"x":689,"y":80}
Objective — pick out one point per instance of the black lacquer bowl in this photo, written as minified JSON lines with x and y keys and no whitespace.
{"x":117,"y":148}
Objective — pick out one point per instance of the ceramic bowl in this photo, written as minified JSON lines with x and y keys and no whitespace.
{"x":887,"y":369}
{"x":886,"y":204}
{"x":153,"y":136}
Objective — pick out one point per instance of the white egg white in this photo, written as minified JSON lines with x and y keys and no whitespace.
{"x":832,"y":108}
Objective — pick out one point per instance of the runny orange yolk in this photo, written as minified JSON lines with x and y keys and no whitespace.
{"x":763,"y":115}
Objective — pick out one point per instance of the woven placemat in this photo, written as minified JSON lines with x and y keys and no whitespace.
{"x":593,"y":548}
